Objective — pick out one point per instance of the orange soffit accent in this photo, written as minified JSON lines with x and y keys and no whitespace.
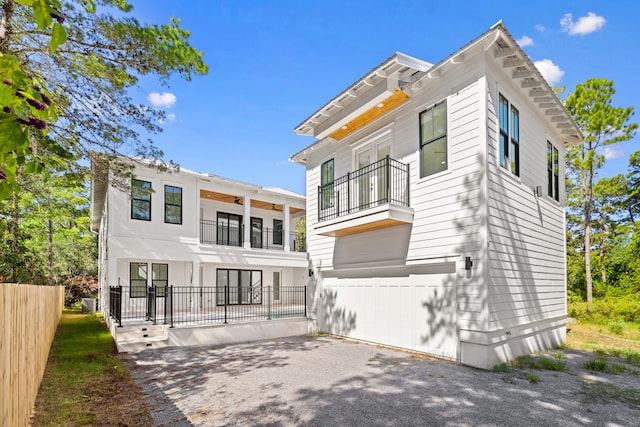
{"x":371,"y":114}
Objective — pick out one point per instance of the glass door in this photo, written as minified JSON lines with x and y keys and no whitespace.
{"x":229,"y":229}
{"x":371,"y":181}
{"x":256,"y":232}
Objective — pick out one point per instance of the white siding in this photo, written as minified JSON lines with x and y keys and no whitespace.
{"x":526,"y":233}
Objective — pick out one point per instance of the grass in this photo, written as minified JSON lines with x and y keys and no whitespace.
{"x":540,"y":362}
{"x":84,"y":382}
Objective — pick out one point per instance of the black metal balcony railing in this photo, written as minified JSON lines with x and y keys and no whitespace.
{"x":386,"y":181}
{"x":225,"y":234}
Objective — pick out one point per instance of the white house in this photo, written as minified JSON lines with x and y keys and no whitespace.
{"x":228,"y":250}
{"x":435,"y":205}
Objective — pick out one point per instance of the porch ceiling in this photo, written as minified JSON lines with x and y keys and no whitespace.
{"x":239,"y":200}
{"x":371,"y":114}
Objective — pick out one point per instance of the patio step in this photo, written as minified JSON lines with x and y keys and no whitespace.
{"x":132,"y":339}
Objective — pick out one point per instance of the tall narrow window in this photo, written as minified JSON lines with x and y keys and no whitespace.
{"x":326,"y":181}
{"x":553,"y":185}
{"x":509,"y":117}
{"x":137,"y":280}
{"x":141,"y":200}
{"x":256,"y":232}
{"x":277,"y":232}
{"x":433,"y":139}
{"x":172,"y":204}
{"x":160,"y":278}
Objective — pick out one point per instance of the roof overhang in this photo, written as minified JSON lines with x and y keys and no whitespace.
{"x":99,"y":185}
{"x":377,"y":92}
{"x":356,"y":106}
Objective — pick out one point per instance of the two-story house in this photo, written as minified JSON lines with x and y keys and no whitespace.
{"x":185,"y":249}
{"x":435,"y":205}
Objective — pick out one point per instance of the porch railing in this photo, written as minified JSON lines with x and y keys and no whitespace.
{"x":218,"y":233}
{"x":180,"y":305}
{"x":386,"y":181}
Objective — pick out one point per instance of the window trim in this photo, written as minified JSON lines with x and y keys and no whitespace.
{"x":167,"y":204}
{"x":435,"y":138}
{"x":506,"y":137}
{"x":141,"y":198}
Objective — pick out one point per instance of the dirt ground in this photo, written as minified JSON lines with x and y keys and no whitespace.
{"x":320,"y":381}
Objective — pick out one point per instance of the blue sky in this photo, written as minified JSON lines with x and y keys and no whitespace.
{"x":273,"y":63}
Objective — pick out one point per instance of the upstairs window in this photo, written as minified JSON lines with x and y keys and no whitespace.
{"x":509,"y":136}
{"x":141,"y":200}
{"x":172,"y":204}
{"x":326,"y":178}
{"x":277,"y":232}
{"x":433,"y":139}
{"x":553,"y":170}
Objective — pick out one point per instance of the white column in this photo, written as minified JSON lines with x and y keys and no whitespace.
{"x":246,"y":222}
{"x":287,"y":235}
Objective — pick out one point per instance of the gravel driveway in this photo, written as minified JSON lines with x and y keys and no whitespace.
{"x":326,"y":381}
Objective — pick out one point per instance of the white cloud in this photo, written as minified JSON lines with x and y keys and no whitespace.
{"x":165,"y":99}
{"x":525,"y":41}
{"x":550,"y":71}
{"x":540,"y":28}
{"x":585,"y":25}
{"x":613,"y":152}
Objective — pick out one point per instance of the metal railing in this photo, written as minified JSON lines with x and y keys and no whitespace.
{"x":181,"y":305}
{"x":217,"y":233}
{"x":386,"y":181}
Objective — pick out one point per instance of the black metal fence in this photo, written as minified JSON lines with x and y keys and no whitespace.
{"x":222,"y":233}
{"x":178,"y":305}
{"x":386,"y":181}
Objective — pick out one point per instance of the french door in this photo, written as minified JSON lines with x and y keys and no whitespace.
{"x":229,"y":229}
{"x":371,"y":179}
{"x":256,"y":232}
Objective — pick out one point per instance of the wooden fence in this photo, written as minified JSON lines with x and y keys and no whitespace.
{"x":29,"y":316}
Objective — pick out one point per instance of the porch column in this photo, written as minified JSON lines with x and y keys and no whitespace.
{"x":195,"y":286}
{"x":246,"y":222}
{"x":287,"y":235}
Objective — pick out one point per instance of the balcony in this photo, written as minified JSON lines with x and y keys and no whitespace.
{"x":227,"y":233}
{"x":371,"y":198}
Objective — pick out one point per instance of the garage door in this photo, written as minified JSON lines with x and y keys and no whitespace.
{"x":416,"y":311}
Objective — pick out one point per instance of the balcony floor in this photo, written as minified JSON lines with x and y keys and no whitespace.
{"x":376,"y":218}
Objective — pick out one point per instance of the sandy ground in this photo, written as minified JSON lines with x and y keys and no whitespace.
{"x":326,"y":381}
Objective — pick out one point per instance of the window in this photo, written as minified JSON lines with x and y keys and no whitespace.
{"x":553,"y":184}
{"x":172,"y":204}
{"x":238,"y":286}
{"x":229,"y":229}
{"x":141,"y":200}
{"x":326,"y":187}
{"x":509,"y":141}
{"x":137,"y":280}
{"x":276,"y":285}
{"x":433,"y":139}
{"x":277,"y":232}
{"x":256,"y":232}
{"x":160,"y":278}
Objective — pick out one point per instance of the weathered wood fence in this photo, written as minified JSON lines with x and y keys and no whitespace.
{"x":29,"y":316}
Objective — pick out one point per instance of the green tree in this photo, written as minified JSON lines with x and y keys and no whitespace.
{"x":609,"y":195}
{"x":601,"y":124}
{"x":633,"y":177}
{"x":86,"y":81}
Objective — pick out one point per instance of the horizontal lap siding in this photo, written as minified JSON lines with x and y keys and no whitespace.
{"x":526,"y":233}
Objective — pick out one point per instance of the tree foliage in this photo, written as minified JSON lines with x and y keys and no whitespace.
{"x":67,"y":81}
{"x":601,"y":124}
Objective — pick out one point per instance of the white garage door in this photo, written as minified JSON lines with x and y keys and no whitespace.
{"x":416,"y":311}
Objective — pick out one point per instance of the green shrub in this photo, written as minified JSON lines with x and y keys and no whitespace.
{"x":600,"y":364}
{"x":616,"y":326}
{"x":503,"y":367}
{"x":532,"y":378}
